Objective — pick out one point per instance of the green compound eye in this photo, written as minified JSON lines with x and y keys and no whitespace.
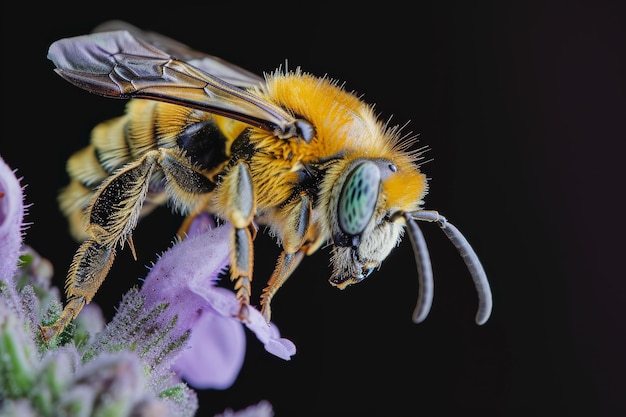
{"x":358,"y":198}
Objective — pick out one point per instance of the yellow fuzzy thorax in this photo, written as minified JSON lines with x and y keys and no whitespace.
{"x":344,"y":125}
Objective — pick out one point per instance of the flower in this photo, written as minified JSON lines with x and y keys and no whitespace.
{"x":11,"y":220}
{"x":185,"y":278}
{"x":123,"y":368}
{"x":88,"y":374}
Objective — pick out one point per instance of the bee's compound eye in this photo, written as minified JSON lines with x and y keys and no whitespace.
{"x":358,"y":198}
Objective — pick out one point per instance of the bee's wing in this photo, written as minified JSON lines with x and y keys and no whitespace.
{"x":117,"y":64}
{"x":210,"y":64}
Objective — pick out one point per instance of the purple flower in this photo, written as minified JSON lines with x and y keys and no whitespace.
{"x":11,"y":221}
{"x":185,"y":278}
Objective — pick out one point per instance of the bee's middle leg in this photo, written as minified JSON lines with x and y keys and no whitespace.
{"x":237,"y":199}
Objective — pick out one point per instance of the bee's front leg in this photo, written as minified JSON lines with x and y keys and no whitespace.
{"x":237,"y":200}
{"x":287,"y":262}
{"x":299,"y":238}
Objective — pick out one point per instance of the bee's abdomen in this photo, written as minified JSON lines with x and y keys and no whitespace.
{"x":88,"y":167}
{"x":146,"y":125}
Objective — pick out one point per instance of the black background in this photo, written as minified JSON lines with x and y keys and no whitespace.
{"x":523,"y":107}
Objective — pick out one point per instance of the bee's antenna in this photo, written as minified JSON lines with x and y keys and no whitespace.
{"x":424,"y":271}
{"x":424,"y":268}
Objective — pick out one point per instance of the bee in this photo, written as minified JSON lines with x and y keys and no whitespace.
{"x":290,"y":151}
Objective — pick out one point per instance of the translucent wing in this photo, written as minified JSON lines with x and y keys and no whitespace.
{"x":120,"y":65}
{"x":210,"y":64}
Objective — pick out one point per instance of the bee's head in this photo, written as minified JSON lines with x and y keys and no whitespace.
{"x":371,"y":202}
{"x":362,"y":228}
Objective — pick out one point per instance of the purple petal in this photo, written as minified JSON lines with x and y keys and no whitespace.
{"x":216,"y":346}
{"x":195,"y":261}
{"x":201,"y":223}
{"x":185,"y":277}
{"x":269,"y":335}
{"x":215,"y":355}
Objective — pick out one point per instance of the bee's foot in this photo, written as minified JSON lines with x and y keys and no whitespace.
{"x":243,"y":313}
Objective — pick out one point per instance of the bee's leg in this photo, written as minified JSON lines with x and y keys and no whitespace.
{"x":236,"y":198}
{"x":90,"y":266}
{"x":286,"y":264}
{"x":111,"y":217}
{"x":185,"y":185}
{"x":299,"y":239}
{"x":242,"y":259}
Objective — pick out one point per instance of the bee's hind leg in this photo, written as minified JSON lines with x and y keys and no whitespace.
{"x":111,"y":217}
{"x":90,"y":266}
